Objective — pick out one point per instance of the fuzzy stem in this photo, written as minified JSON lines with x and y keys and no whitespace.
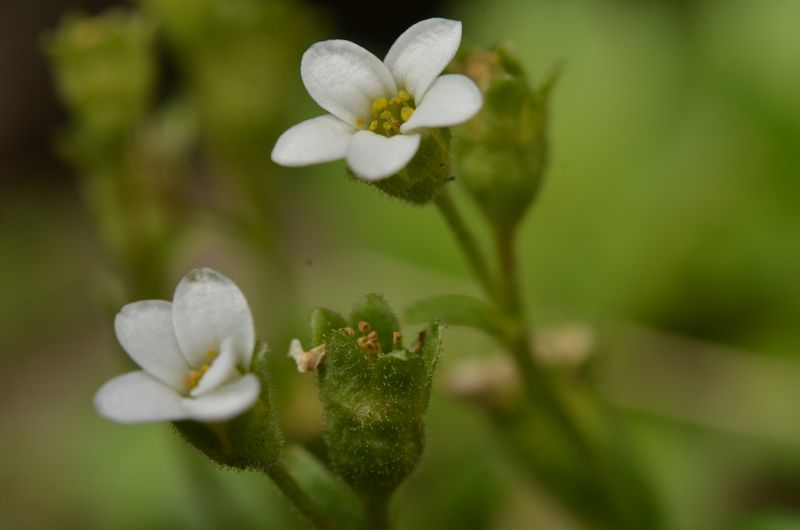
{"x":376,"y":509}
{"x":281,"y":477}
{"x":466,"y":240}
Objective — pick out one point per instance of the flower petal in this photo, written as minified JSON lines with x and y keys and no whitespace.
{"x":452,"y":99}
{"x":137,"y":397}
{"x":225,"y":402}
{"x":145,"y":331}
{"x":313,"y":141}
{"x":420,"y":54}
{"x":344,"y":78}
{"x":374,"y":157}
{"x":207,"y":309}
{"x":222,"y":370}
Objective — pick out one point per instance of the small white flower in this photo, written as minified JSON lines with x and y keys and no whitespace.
{"x":378,"y":110}
{"x":194,"y":352}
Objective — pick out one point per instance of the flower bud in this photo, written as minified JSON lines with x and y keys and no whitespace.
{"x":424,"y":176}
{"x":105,"y":71}
{"x":501,"y":153}
{"x":375,"y":392}
{"x":252,"y":441}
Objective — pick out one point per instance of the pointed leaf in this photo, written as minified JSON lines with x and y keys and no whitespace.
{"x":457,"y":310}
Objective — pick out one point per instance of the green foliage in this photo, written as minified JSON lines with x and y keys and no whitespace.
{"x":458,"y":310}
{"x":374,"y":393}
{"x":250,"y":441}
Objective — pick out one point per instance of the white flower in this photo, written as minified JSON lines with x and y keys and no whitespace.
{"x":378,"y":110}
{"x":194,"y":352}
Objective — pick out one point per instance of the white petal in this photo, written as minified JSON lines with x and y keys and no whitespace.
{"x":145,"y":331}
{"x":344,"y":78}
{"x":313,"y":141}
{"x":137,"y":397}
{"x":207,"y":309}
{"x":226,"y":402}
{"x":420,"y":54}
{"x":452,"y":99}
{"x":374,"y":157}
{"x":222,"y":370}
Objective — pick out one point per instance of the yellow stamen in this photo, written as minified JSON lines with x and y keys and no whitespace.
{"x":195,"y":376}
{"x":359,"y":123}
{"x":405,"y":113}
{"x":373,"y":125}
{"x":364,"y":327}
{"x":378,"y":105}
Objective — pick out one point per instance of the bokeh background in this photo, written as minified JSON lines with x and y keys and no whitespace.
{"x":135,"y":146}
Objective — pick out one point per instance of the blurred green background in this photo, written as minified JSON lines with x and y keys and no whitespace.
{"x":668,"y":221}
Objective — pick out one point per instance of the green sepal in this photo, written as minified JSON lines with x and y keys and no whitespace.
{"x":322,"y":321}
{"x":251,"y":441}
{"x":424,"y":176}
{"x":374,"y":310}
{"x":458,"y":310}
{"x":374,"y":402}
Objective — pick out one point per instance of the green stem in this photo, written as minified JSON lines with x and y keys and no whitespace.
{"x":505,"y":292}
{"x":281,"y":477}
{"x":469,"y":245}
{"x":376,"y":509}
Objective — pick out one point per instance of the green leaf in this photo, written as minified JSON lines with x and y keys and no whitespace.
{"x":457,"y":310}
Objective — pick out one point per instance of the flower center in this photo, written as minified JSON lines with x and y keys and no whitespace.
{"x":195,"y":375}
{"x":387,"y":115}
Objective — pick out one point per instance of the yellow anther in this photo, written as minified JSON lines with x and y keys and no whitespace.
{"x":405,"y":113}
{"x":389,"y":114}
{"x":210,"y":355}
{"x":364,"y":327}
{"x":196,"y":375}
{"x":349,"y":331}
{"x":378,"y":105}
{"x":359,"y":123}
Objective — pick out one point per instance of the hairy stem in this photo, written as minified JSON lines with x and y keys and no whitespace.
{"x":376,"y":509}
{"x":466,"y":240}
{"x":281,"y":477}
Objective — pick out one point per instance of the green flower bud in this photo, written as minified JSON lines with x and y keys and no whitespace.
{"x":105,"y":70}
{"x":424,"y":176}
{"x":501,"y":154}
{"x":252,"y":441}
{"x":375,"y":392}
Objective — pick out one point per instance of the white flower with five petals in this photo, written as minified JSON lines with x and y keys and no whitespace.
{"x":378,"y":110}
{"x":194,"y":352}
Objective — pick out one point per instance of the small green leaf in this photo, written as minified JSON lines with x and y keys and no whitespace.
{"x":458,"y":310}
